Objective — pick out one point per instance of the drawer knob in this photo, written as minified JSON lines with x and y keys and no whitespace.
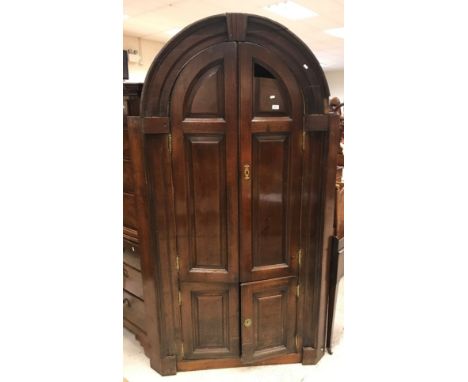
{"x":133,"y":248}
{"x":247,"y":322}
{"x":125,"y":273}
{"x":126,"y":302}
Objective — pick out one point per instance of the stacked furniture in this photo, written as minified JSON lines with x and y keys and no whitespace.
{"x":133,"y":302}
{"x":337,"y":255}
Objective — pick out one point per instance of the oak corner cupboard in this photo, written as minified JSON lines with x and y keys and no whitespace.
{"x":234,"y":157}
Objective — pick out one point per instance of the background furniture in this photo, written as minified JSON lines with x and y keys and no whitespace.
{"x":234,"y":157}
{"x":337,"y":255}
{"x":133,"y":302}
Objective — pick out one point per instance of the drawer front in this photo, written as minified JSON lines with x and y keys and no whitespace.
{"x":129,"y":211}
{"x":132,"y":281}
{"x":131,"y":254}
{"x":128,"y":176}
{"x":134,"y":310}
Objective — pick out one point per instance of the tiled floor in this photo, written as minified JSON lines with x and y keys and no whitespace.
{"x":136,"y":366}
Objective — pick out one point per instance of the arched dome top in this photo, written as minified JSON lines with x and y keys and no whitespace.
{"x":233,"y":27}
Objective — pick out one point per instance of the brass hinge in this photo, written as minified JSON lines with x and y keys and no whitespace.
{"x":303,"y":140}
{"x":297,"y":290}
{"x":180,"y":299}
{"x":299,"y":257}
{"x":182,"y":349}
{"x":169,"y":142}
{"x":297,"y":342}
{"x":177,"y":263}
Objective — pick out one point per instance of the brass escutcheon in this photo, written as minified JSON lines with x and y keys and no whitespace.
{"x":246,"y":172}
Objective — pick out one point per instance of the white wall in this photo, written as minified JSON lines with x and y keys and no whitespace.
{"x":147,"y":50}
{"x":335,"y":79}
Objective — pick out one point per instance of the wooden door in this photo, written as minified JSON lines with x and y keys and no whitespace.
{"x":236,"y":120}
{"x":204,"y":153}
{"x":269,"y":324}
{"x":271,"y":113}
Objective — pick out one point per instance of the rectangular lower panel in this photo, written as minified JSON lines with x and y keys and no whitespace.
{"x":268,"y":318}
{"x":210,"y":320}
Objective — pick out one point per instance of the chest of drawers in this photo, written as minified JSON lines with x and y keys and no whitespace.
{"x":133,"y":301}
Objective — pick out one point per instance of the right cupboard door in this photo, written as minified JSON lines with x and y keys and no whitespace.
{"x":270,"y":125}
{"x":269,"y":325}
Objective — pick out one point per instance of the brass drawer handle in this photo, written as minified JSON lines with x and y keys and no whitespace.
{"x":247,"y":322}
{"x":246,"y":172}
{"x":126,"y":302}
{"x":125,"y":273}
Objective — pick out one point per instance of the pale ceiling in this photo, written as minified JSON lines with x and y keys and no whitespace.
{"x":152,"y":19}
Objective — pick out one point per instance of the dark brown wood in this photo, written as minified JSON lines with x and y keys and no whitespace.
{"x":130,"y":234}
{"x":131,"y":107}
{"x":316,"y":122}
{"x":236,"y":26}
{"x":156,"y":125}
{"x":212,"y":30}
{"x":163,"y":246}
{"x":132,"y":281}
{"x":171,"y":59}
{"x":335,"y":108}
{"x":279,"y":40}
{"x":328,"y":217}
{"x":128,"y":186}
{"x":270,"y":199}
{"x":336,"y":273}
{"x":131,"y":246}
{"x":132,"y":277}
{"x":320,"y":205}
{"x":271,"y":124}
{"x":337,"y":256}
{"x":205,"y":174}
{"x":131,"y":255}
{"x":126,"y":145}
{"x":210,"y":319}
{"x":311,"y":356}
{"x":191,"y":365}
{"x":134,"y":310}
{"x":339,"y":210}
{"x":204,"y":99}
{"x":310,"y":232}
{"x":129,"y":211}
{"x":267,"y":318}
{"x":157,"y":332}
{"x":232,"y":188}
{"x":131,"y":98}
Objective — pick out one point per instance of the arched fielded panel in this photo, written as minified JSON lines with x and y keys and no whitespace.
{"x":233,"y":27}
{"x":234,"y":161}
